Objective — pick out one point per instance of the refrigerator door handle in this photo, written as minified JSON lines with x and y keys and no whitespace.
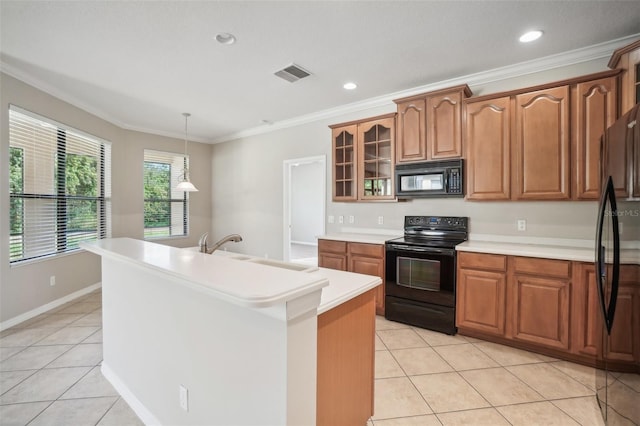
{"x":608,"y":310}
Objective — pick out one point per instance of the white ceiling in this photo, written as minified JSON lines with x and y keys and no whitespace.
{"x":140,"y":64}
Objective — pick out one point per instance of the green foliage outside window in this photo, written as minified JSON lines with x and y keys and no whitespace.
{"x":16,"y":185}
{"x":157,"y":195}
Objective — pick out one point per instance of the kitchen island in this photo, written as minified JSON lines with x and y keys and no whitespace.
{"x":191,"y":338}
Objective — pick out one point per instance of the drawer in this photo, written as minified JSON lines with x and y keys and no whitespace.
{"x":331,"y":246}
{"x":542,"y":267}
{"x":492,"y":262}
{"x":370,"y":250}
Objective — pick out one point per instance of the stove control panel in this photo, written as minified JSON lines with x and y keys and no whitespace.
{"x":448,"y":222}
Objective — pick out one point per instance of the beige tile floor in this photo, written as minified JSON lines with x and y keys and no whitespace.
{"x":50,"y":375}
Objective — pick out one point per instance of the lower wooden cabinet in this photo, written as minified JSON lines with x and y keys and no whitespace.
{"x":544,"y":305}
{"x":361,"y":258}
{"x":346,"y":349}
{"x":481,"y":292}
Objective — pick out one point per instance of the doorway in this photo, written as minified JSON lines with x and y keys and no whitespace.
{"x":304,"y":208}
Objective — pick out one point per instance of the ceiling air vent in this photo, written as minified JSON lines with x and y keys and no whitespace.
{"x":292,"y":73}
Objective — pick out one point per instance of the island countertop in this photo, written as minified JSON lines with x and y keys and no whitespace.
{"x":240,"y":282}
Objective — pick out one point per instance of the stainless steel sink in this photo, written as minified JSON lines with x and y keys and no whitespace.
{"x":284,"y":265}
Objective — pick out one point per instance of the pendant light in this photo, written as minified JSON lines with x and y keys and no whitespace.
{"x":185,"y":185}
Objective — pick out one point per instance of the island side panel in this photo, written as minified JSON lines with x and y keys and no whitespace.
{"x":346,"y":346}
{"x":159,"y":335}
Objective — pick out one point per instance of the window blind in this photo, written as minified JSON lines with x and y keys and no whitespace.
{"x":59,"y":186}
{"x":165,"y":209}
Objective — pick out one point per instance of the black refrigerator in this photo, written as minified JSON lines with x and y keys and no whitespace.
{"x":618,"y":273}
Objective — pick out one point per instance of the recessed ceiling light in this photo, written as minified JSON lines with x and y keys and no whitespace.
{"x":530,"y":36}
{"x":350,"y":85}
{"x":225,"y":38}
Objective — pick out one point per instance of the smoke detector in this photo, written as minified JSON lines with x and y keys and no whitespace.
{"x":292,"y":73}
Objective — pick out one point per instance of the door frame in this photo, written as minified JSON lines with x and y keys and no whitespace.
{"x":287,"y":166}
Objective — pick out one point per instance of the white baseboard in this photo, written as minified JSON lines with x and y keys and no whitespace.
{"x":126,"y":394}
{"x":44,"y":308}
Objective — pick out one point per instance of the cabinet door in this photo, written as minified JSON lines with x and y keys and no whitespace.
{"x":376,"y":159}
{"x":594,"y":109}
{"x":630,"y":64}
{"x":480,"y":301}
{"x":411,"y":144}
{"x":444,"y":114}
{"x":370,"y":266}
{"x":487,"y":147}
{"x":542,"y":145}
{"x":622,"y":347}
{"x":332,"y":261}
{"x":344,"y":163}
{"x":586,"y":323}
{"x":541,"y":310}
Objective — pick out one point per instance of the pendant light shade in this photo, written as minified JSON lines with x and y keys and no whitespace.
{"x":185,"y":185}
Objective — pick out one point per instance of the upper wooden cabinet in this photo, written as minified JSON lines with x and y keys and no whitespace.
{"x":594,"y":110}
{"x":488,"y":149}
{"x":627,"y":59}
{"x":541,"y":143}
{"x":430,"y":125}
{"x":375,"y":159}
{"x":344,"y":162}
{"x":363,"y":159}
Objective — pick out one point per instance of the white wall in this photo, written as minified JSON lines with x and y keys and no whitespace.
{"x":307,"y":197}
{"x":247,"y":197}
{"x":26,"y":287}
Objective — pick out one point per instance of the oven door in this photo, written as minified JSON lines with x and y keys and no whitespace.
{"x":421,"y":274}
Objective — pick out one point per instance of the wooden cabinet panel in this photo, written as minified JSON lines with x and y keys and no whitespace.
{"x":376,"y":143}
{"x":488,"y":150}
{"x":586,"y":318}
{"x":361,"y":258}
{"x":480,"y":301}
{"x":594,"y":109}
{"x":545,"y":267}
{"x":627,"y":59}
{"x":411,"y":144}
{"x":541,"y":311}
{"x":444,"y":117}
{"x":346,"y":348}
{"x":370,"y":266}
{"x":621,"y":347}
{"x":332,"y":246}
{"x":371,"y":250}
{"x":332,"y":261}
{"x":483,"y":261}
{"x":542,"y":145}
{"x":344,"y":163}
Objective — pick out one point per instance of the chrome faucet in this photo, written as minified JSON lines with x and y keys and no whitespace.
{"x":236,"y":238}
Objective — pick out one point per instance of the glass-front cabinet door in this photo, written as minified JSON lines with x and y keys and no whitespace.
{"x":344,"y":163}
{"x":375,"y":159}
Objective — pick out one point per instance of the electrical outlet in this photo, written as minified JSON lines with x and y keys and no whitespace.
{"x":522,"y":224}
{"x":380,"y":220}
{"x":184,"y":398}
{"x":331,"y":219}
{"x":340,"y":219}
{"x":52,"y":280}
{"x":352,"y":219}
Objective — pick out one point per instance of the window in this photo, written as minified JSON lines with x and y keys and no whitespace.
{"x":59,"y":187}
{"x":165,"y":209}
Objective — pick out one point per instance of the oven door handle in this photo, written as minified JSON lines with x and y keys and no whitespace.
{"x":449,"y":252}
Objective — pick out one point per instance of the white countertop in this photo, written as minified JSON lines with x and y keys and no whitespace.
{"x":235,"y":280}
{"x":360,"y":238}
{"x":580,"y":254}
{"x":546,"y":251}
{"x":241,"y":282}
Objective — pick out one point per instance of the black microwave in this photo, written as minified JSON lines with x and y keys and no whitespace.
{"x":441,"y":178}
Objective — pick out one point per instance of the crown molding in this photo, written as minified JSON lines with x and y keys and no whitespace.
{"x":572,"y":57}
